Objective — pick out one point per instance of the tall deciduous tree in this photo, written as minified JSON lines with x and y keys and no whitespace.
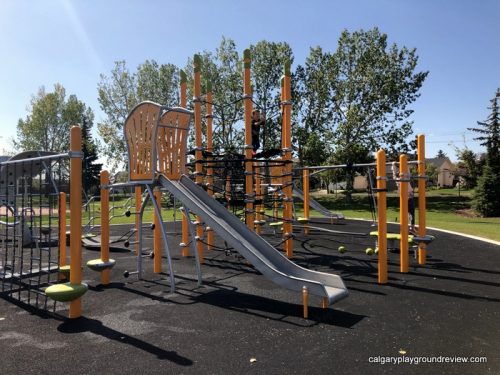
{"x":312,"y":107}
{"x":373,"y":86}
{"x":223,"y":69}
{"x":51,"y":115}
{"x":122,"y":90}
{"x":268,"y":60}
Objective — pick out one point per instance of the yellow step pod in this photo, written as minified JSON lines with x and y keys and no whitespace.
{"x":66,"y":292}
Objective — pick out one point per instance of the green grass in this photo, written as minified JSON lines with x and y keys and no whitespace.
{"x":445,"y":210}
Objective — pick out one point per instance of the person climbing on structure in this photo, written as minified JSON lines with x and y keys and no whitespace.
{"x":258,"y":120}
{"x":411,"y":206}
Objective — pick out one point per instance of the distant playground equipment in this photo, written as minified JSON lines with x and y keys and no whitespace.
{"x":420,"y":239}
{"x":33,"y":187}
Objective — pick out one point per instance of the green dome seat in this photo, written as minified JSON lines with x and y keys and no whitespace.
{"x":66,"y":292}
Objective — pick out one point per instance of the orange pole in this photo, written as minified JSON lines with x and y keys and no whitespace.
{"x":247,"y":99}
{"x":382,"y":217}
{"x":287,"y":148}
{"x":185,"y":220}
{"x":305,"y":183}
{"x":198,"y":145}
{"x":421,"y":197}
{"x":210,"y":149}
{"x":157,"y":235}
{"x":305,"y":301}
{"x":75,"y":306}
{"x":404,"y":177}
{"x":138,"y":202}
{"x":105,"y":226}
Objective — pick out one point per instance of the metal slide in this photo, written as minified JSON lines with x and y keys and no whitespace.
{"x":316,"y":205}
{"x":269,"y":261}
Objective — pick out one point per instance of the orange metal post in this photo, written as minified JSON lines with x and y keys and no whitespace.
{"x":287,"y":148}
{"x":105,"y":226}
{"x":198,"y":144}
{"x":421,"y":197}
{"x":185,"y":220}
{"x":404,"y":177}
{"x":382,"y":217}
{"x":247,"y":99}
{"x":210,"y":149}
{"x":305,"y":301}
{"x":157,"y":243}
{"x":305,"y":185}
{"x":138,"y":202}
{"x":75,"y":307}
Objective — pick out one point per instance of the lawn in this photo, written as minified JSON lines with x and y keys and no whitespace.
{"x":445,"y":210}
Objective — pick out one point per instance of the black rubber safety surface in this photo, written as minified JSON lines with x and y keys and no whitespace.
{"x":238,"y":322}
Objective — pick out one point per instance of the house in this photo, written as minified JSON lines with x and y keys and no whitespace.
{"x":446,"y":171}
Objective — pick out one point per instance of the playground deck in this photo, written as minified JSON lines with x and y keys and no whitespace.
{"x":239,"y":322}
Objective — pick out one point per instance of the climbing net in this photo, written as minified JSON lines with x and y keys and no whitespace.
{"x":32,"y":185}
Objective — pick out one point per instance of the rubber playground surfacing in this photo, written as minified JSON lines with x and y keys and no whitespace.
{"x":238,"y":322}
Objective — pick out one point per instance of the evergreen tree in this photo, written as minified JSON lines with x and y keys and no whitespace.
{"x":91,"y":169}
{"x":441,"y":154}
{"x":487,"y":195}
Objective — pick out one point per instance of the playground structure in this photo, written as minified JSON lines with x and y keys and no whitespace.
{"x":33,"y":246}
{"x":156,"y":139}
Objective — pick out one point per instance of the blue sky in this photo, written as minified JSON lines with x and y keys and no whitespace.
{"x":73,"y":42}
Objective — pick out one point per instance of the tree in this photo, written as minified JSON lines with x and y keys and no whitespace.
{"x":223,"y":69}
{"x":47,"y":126}
{"x":122,"y":90}
{"x":312,"y":104}
{"x":91,"y":169}
{"x":469,"y":166}
{"x":441,"y":154}
{"x":372,"y":87}
{"x":268,"y":60}
{"x":487,"y":194}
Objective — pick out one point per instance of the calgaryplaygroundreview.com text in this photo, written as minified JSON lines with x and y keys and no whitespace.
{"x":417,"y":360}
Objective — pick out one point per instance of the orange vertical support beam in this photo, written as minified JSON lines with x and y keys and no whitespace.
{"x":138,"y":202}
{"x":185,"y":220}
{"x":157,"y":242}
{"x":305,"y":185}
{"x":75,"y":307}
{"x":198,"y":144}
{"x":421,"y":196}
{"x":105,"y":226}
{"x":382,"y":217}
{"x":287,"y":149}
{"x":404,"y":180}
{"x":62,"y":229}
{"x":210,"y":148}
{"x":305,"y":301}
{"x":247,"y":99}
